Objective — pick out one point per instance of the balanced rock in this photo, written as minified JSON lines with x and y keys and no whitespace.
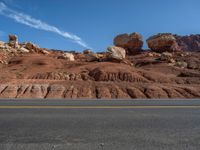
{"x":132,"y":43}
{"x":13,"y":41}
{"x":163,"y":42}
{"x":116,"y":53}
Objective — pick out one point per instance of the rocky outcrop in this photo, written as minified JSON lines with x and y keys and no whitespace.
{"x":56,"y":76}
{"x":32,"y":47}
{"x":163,"y":42}
{"x":98,"y":91}
{"x":188,"y":43}
{"x":101,"y":75}
{"x":33,"y":72}
{"x":13,"y":41}
{"x":132,"y":43}
{"x":116,"y":53}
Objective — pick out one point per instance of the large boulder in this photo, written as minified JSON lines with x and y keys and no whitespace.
{"x":116,"y":53}
{"x":13,"y":41}
{"x":132,"y":43}
{"x":163,"y":42}
{"x":188,"y":43}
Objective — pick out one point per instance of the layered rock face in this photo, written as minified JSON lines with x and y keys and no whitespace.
{"x":188,"y":43}
{"x":132,"y":43}
{"x":163,"y":42}
{"x":33,"y":72}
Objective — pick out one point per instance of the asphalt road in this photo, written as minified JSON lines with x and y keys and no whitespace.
{"x":99,"y":125}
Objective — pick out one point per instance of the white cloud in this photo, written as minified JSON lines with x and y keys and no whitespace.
{"x":38,"y":24}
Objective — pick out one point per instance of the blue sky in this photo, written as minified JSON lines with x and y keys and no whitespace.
{"x":94,"y":23}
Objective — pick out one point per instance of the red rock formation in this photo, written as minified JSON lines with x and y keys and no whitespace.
{"x":13,"y":41}
{"x":163,"y":42}
{"x":188,"y":43}
{"x":132,"y":43}
{"x":146,"y":75}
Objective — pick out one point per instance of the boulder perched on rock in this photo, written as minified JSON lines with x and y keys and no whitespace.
{"x":67,"y":56}
{"x":116,"y":53}
{"x":163,"y":42}
{"x":132,"y":43}
{"x":13,"y":41}
{"x":188,"y":43}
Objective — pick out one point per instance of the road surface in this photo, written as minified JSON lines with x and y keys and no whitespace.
{"x":99,"y":125}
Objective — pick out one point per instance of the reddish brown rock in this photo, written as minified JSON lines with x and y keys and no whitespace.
{"x":155,"y":92}
{"x":132,"y":43}
{"x":135,"y":93}
{"x":163,"y":42}
{"x":13,"y":41}
{"x":188,"y":43}
{"x":33,"y":74}
{"x":108,"y":73}
{"x":32,"y":47}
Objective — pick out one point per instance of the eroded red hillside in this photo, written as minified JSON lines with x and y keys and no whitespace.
{"x":33,"y":72}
